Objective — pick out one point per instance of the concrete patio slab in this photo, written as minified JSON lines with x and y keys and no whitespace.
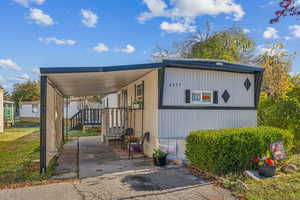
{"x":113,"y":178}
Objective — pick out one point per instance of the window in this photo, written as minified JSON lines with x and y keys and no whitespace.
{"x":139,"y":94}
{"x":201,"y":97}
{"x":35,"y":108}
{"x":139,"y":90}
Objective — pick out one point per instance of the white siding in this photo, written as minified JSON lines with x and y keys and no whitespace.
{"x":110,"y":101}
{"x":26,"y":111}
{"x":179,"y":123}
{"x":73,"y":108}
{"x":178,"y":80}
{"x":175,"y":125}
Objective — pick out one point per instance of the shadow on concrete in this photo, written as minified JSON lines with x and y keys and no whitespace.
{"x":162,"y":179}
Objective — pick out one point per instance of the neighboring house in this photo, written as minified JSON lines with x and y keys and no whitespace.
{"x":9,"y":113}
{"x":167,"y":99}
{"x":30,"y":111}
{"x":110,"y":101}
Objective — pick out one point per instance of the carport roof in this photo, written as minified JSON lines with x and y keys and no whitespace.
{"x":87,"y":81}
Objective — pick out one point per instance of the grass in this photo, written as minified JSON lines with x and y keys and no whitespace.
{"x":284,"y":186}
{"x":21,"y":124}
{"x":78,"y":133}
{"x":12,"y":134}
{"x":19,"y":155}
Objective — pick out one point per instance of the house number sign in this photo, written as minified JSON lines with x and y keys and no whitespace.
{"x":175,"y":85}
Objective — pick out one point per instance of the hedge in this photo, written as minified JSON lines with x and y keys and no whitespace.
{"x":230,"y":150}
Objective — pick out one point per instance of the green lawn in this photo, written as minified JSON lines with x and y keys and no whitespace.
{"x":19,"y":149}
{"x":78,"y":133}
{"x":21,"y":124}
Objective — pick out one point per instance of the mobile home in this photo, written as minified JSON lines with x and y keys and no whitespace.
{"x":167,"y":100}
{"x":30,"y":110}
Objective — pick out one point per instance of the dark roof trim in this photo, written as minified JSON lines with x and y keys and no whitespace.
{"x":63,"y":70}
{"x":203,"y":64}
{"x":213,"y":65}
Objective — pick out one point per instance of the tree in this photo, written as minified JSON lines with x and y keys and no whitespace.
{"x":287,"y":8}
{"x":295,"y":80}
{"x":294,"y":93}
{"x":28,"y":91}
{"x":232,"y":44}
{"x":277,"y":64}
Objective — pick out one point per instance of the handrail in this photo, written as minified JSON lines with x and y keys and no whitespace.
{"x":86,"y":116}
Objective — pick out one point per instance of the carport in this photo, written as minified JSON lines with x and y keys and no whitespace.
{"x":60,"y":83}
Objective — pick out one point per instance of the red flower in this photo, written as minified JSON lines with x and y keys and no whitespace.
{"x":270,"y":161}
{"x":255,"y":159}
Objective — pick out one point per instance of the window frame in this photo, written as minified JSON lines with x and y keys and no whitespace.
{"x":201,"y":95}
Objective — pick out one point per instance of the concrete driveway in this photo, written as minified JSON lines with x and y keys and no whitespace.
{"x":105,"y":176}
{"x":154,"y":183}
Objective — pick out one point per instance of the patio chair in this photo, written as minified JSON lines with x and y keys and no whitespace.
{"x":139,"y":144}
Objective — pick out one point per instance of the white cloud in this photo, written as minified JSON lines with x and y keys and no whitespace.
{"x":90,"y":19}
{"x":176,"y":27}
{"x":101,"y":48}
{"x":26,"y":3}
{"x":35,"y":71}
{"x":287,"y":37}
{"x":128,"y":49}
{"x":57,"y":41}
{"x":156,"y":9}
{"x":25,"y":77}
{"x":40,"y":18}
{"x":188,"y":10}
{"x":297,"y":2}
{"x":271,"y":33}
{"x":246,"y":30}
{"x":270,"y":51}
{"x":295,"y":30}
{"x":9,"y":64}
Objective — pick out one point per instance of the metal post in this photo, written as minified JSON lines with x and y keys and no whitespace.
{"x":43,"y":123}
{"x":67,"y":122}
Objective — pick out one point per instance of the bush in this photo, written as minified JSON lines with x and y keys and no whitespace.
{"x":283,"y":113}
{"x":230,"y":150}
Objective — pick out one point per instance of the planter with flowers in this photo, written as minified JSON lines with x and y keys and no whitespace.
{"x":266,"y":164}
{"x":137,"y":104}
{"x":133,"y":144}
{"x":160,"y":157}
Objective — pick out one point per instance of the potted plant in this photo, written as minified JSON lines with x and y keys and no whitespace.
{"x":137,"y":104}
{"x":266,"y":165}
{"x":159,"y":157}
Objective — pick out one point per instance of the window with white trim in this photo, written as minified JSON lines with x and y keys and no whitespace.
{"x":201,"y":97}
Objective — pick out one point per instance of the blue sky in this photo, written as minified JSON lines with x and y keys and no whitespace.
{"x":56,"y":33}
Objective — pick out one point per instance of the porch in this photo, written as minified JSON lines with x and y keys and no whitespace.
{"x":120,"y":125}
